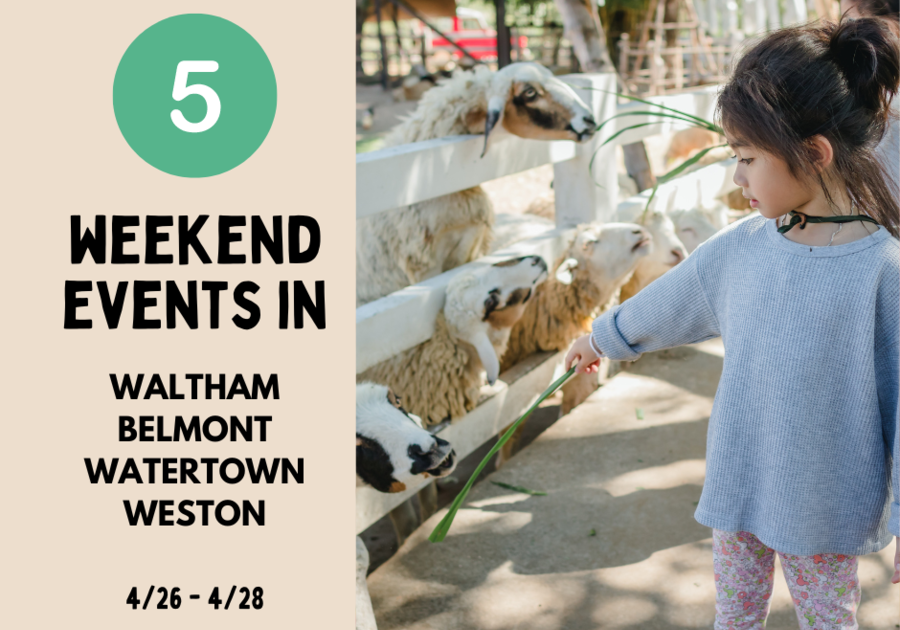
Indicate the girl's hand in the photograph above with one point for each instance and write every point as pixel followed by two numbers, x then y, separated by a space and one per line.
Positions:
pixel 896 578
pixel 582 352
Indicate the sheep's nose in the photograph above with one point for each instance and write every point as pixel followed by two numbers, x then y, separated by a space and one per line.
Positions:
pixel 679 256
pixel 591 123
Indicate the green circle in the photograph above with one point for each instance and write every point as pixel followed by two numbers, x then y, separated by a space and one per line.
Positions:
pixel 143 98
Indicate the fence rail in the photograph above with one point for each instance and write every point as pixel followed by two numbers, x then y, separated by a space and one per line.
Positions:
pixel 403 175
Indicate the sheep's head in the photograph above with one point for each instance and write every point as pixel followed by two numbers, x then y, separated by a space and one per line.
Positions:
pixel 482 305
pixel 526 100
pixel 668 250
pixel 692 227
pixel 392 448
pixel 604 254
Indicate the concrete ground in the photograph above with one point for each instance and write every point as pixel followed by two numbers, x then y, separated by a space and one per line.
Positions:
pixel 613 544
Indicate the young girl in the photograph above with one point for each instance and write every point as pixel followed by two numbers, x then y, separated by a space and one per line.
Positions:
pixel 802 449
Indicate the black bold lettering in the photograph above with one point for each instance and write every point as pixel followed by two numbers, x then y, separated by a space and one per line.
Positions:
pixel 261 389
pixel 302 302
pixel 214 289
pixel 142 303
pixel 140 513
pixel 127 432
pixel 259 238
pixel 246 323
pixel 175 302
pixel 94 243
pixel 94 474
pixel 112 308
pixel 296 222
pixel 187 237
pixel 120 237
pixel 73 302
pixel 226 238
pixel 151 256
pixel 133 389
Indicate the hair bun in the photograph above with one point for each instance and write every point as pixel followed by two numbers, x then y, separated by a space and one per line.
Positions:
pixel 869 57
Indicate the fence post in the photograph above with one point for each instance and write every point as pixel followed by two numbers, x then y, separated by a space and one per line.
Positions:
pixel 582 196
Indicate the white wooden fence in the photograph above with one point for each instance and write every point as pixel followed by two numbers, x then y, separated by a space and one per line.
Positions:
pixel 721 17
pixel 407 174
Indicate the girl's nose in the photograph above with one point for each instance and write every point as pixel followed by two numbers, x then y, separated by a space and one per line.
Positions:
pixel 739 179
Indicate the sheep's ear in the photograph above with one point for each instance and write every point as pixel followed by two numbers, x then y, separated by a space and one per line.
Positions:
pixel 564 271
pixel 496 105
pixel 487 354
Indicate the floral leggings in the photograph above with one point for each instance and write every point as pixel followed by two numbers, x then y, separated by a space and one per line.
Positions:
pixel 824 587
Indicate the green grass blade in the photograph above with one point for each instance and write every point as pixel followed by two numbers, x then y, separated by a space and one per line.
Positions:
pixel 712 126
pixel 680 116
pixel 523 490
pixel 621 131
pixel 442 528
pixel 675 172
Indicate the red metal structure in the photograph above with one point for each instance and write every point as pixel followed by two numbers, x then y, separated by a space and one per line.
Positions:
pixel 470 30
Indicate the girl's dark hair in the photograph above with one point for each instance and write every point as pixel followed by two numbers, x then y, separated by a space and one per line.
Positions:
pixel 834 80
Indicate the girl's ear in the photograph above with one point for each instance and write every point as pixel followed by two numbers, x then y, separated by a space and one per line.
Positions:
pixel 823 152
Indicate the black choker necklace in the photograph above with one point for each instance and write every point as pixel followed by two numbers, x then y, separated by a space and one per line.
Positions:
pixel 798 218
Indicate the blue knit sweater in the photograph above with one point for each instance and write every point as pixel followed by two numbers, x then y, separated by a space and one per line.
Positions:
pixel 802 447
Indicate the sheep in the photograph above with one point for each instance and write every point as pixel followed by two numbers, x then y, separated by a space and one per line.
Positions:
pixel 667 250
pixel 440 379
pixel 597 261
pixel 417 82
pixel 392 449
pixel 392 446
pixel 410 244
pixel 688 142
pixel 692 227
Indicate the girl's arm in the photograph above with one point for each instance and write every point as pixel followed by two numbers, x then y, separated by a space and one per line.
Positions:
pixel 887 376
pixel 672 311
pixel 887 379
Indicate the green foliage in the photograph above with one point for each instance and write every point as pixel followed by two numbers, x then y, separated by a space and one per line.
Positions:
pixel 668 113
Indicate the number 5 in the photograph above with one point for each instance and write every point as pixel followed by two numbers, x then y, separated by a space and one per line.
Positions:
pixel 182 90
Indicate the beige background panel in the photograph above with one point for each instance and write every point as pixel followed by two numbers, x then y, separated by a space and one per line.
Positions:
pixel 70 557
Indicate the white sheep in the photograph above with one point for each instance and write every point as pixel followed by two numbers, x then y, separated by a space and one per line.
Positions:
pixel 441 379
pixel 392 449
pixel 406 245
pixel 667 251
pixel 692 227
pixel 595 264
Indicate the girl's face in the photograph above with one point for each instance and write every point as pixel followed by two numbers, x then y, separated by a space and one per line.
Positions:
pixel 766 181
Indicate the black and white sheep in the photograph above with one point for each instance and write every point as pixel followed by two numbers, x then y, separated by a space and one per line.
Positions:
pixel 392 450
pixel 441 378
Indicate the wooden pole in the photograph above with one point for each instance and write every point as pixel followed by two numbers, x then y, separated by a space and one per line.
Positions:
pixel 399 43
pixel 503 48
pixel 384 59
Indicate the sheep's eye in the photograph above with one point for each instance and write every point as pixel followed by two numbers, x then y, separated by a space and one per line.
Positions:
pixel 529 94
